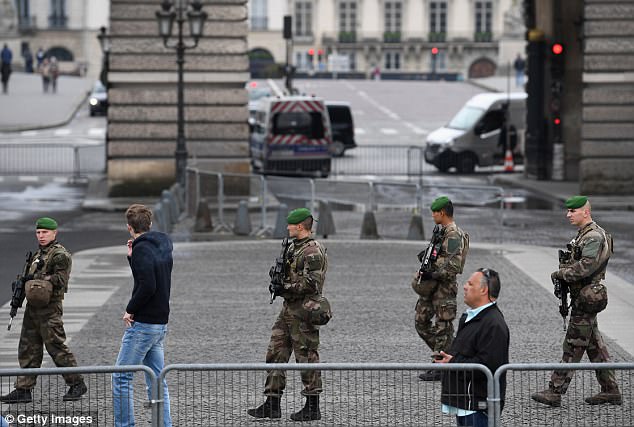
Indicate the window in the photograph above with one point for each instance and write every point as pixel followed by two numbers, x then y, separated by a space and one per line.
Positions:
pixel 259 18
pixel 392 61
pixel 393 16
pixel 347 16
pixel 303 18
pixel 57 17
pixel 309 124
pixel 24 13
pixel 483 19
pixel 438 17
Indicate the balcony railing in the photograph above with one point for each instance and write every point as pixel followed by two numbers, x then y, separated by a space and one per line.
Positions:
pixel 57 21
pixel 392 37
pixel 26 23
pixel 347 37
pixel 437 37
pixel 483 36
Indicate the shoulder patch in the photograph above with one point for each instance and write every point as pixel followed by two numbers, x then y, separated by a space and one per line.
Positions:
pixel 314 261
pixel 453 244
pixel 591 248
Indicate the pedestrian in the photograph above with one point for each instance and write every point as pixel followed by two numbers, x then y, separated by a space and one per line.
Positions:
pixel 6 56
pixel 582 269
pixel 28 60
pixel 304 278
pixel 45 70
pixel 147 313
pixel 519 65
pixel 42 326
pixel 54 72
pixel 437 288
pixel 39 56
pixel 483 337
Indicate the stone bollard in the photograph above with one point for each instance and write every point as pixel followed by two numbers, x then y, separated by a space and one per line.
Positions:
pixel 242 226
pixel 167 212
pixel 179 196
pixel 172 205
pixel 203 218
pixel 416 231
pixel 368 227
pixel 325 224
pixel 280 230
pixel 158 218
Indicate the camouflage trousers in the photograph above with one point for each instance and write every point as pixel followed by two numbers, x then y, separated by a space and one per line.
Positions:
pixel 43 327
pixel 583 336
pixel 289 334
pixel 437 300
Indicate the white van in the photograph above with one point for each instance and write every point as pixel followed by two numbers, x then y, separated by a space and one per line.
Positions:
pixel 476 135
pixel 291 136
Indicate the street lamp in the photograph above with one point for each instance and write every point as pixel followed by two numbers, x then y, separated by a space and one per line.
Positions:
pixel 179 11
pixel 104 43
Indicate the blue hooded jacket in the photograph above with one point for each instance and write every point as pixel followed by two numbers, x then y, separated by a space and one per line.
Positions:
pixel 151 263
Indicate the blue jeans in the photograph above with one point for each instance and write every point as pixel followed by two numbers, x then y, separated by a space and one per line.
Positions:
pixel 3 422
pixel 142 343
pixel 478 419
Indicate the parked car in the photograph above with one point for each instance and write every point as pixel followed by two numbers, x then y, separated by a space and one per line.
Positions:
pixel 98 99
pixel 476 135
pixel 342 127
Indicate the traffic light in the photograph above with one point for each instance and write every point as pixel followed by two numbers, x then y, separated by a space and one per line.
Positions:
pixel 311 53
pixel 434 51
pixel 288 27
pixel 557 60
pixel 320 54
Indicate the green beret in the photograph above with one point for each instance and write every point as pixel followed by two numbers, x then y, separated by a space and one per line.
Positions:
pixel 46 223
pixel 298 215
pixel 439 203
pixel 575 202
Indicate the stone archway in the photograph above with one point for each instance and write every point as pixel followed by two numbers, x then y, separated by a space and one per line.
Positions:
pixel 482 67
pixel 60 53
pixel 262 64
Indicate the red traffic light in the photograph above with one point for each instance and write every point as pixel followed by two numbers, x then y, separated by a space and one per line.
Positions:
pixel 557 48
pixel 320 52
pixel 557 121
pixel 434 51
pixel 311 51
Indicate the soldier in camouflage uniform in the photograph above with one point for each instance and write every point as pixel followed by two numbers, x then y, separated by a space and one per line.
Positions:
pixel 590 252
pixel 437 289
pixel 43 325
pixel 305 274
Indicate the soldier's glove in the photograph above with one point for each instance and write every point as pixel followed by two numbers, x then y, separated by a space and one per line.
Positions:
pixel 428 275
pixel 555 276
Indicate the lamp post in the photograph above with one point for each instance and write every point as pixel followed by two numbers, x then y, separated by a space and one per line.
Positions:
pixel 180 11
pixel 104 43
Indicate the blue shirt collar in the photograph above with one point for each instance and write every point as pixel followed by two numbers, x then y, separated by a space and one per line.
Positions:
pixel 471 313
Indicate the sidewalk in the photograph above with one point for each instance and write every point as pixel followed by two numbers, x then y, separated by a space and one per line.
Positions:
pixel 27 107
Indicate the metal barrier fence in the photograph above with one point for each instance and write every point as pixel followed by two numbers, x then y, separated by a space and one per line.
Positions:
pixel 403 160
pixel 52 159
pixel 353 394
pixel 95 408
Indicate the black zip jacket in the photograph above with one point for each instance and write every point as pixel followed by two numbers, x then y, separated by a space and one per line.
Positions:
pixel 151 264
pixel 485 340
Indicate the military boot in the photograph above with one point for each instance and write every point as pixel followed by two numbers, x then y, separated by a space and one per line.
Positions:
pixel 309 412
pixel 548 397
pixel 269 409
pixel 430 375
pixel 19 395
pixel 605 397
pixel 75 392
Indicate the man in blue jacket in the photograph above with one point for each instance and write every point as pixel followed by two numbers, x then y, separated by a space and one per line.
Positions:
pixel 146 316
pixel 483 337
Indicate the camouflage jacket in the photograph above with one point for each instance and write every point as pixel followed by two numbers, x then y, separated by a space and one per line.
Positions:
pixel 307 263
pixel 54 261
pixel 453 254
pixel 591 249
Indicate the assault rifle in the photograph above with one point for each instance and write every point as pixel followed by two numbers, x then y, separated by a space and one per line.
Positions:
pixel 19 292
pixel 429 256
pixel 561 288
pixel 278 271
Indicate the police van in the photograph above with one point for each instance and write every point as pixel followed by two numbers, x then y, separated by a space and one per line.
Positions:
pixel 477 135
pixel 291 136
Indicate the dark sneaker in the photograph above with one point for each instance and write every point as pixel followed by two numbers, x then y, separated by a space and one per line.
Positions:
pixel 75 392
pixel 17 396
pixel 548 397
pixel 269 409
pixel 604 397
pixel 431 375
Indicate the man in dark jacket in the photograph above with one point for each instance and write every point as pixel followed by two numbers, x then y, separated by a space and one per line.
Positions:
pixel 146 316
pixel 483 337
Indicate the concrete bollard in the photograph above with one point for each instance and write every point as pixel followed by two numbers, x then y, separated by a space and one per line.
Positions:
pixel 167 212
pixel 179 196
pixel 172 205
pixel 158 218
pixel 203 218
pixel 416 231
pixel 242 226
pixel 368 227
pixel 280 230
pixel 326 223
